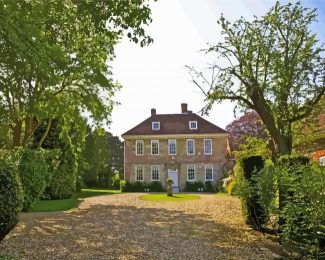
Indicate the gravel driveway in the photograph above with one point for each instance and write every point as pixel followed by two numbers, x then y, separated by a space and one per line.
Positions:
pixel 125 227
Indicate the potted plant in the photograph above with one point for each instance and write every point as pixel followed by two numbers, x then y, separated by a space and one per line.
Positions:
pixel 169 183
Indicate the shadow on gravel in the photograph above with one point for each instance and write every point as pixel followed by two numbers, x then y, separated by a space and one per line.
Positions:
pixel 112 232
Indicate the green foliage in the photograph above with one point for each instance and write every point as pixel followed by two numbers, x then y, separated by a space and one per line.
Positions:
pixel 273 64
pixel 246 170
pixel 11 194
pixel 116 180
pixel 209 187
pixel 231 187
pixel 123 185
pixel 137 186
pixel 79 184
pixel 51 70
pixel 195 186
pixel 34 174
pixel 291 195
pixel 169 181
pixel 63 183
pixel 102 156
pixel 155 186
pixel 254 146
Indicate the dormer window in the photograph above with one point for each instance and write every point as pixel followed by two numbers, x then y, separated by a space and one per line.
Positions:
pixel 155 125
pixel 193 125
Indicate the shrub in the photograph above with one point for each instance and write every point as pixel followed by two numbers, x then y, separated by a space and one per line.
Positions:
pixel 34 174
pixel 122 185
pixel 155 186
pixel 231 187
pixel 302 216
pixel 219 186
pixel 208 186
pixel 193 186
pixel 245 189
pixel 137 186
pixel 11 195
pixel 116 180
pixel 79 183
pixel 63 183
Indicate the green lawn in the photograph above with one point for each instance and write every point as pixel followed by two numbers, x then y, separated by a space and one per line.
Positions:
pixel 60 205
pixel 163 197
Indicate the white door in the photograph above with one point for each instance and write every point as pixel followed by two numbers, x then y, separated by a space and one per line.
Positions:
pixel 174 175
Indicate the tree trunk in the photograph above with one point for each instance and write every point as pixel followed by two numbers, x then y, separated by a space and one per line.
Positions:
pixel 47 130
pixel 283 144
pixel 17 133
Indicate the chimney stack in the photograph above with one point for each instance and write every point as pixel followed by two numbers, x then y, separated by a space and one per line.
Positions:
pixel 153 112
pixel 184 108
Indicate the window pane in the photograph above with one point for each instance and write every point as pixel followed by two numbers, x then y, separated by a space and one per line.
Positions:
pixel 190 173
pixel 155 172
pixel 190 147
pixel 139 173
pixel 193 124
pixel 155 125
pixel 155 147
pixel 209 172
pixel 207 146
pixel 139 147
pixel 171 146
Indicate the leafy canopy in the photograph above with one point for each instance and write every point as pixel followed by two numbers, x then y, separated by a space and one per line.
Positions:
pixel 55 59
pixel 273 64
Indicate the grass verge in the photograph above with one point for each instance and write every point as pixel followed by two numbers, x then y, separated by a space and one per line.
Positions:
pixel 66 204
pixel 163 197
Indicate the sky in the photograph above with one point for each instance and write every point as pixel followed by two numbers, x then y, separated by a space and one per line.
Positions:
pixel 156 76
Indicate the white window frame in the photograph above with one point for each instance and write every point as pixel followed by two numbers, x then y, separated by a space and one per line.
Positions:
pixel 169 153
pixel 190 125
pixel 188 166
pixel 136 147
pixel 205 171
pixel 158 169
pixel 187 141
pixel 153 141
pixel 210 146
pixel 158 124
pixel 136 172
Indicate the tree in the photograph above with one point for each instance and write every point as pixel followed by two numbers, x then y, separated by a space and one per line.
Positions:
pixel 103 154
pixel 248 125
pixel 55 60
pixel 273 64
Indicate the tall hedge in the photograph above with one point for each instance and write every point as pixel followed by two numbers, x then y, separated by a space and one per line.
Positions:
pixel 246 169
pixel 11 196
pixel 35 175
pixel 63 183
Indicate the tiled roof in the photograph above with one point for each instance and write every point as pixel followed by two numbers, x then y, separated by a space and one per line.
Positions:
pixel 175 124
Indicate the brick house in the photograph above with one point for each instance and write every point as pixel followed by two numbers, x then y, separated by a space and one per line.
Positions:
pixel 182 146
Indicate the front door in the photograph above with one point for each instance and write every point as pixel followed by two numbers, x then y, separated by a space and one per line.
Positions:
pixel 174 175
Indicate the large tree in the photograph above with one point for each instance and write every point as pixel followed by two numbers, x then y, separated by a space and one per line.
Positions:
pixel 273 64
pixel 55 58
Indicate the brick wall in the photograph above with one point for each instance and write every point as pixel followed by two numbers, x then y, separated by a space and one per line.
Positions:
pixel 178 161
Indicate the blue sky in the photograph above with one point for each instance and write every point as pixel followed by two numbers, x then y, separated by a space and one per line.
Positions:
pixel 156 77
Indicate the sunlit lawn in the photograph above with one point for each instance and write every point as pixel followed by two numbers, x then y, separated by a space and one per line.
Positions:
pixel 163 197
pixel 61 205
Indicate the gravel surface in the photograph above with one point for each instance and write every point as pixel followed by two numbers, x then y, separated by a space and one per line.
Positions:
pixel 125 227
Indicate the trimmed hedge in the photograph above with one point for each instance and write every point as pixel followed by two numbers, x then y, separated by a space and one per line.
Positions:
pixel 246 169
pixel 193 186
pixel 11 195
pixel 139 186
pixel 34 174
